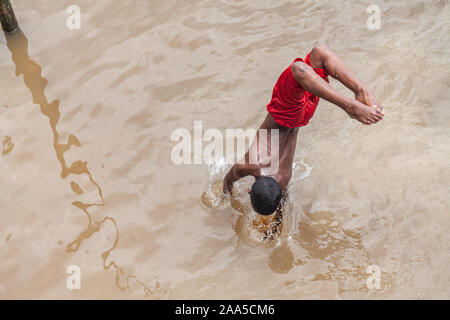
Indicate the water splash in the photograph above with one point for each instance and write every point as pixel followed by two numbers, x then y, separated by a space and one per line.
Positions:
pixel 253 228
pixel 296 169
pixel 217 170
pixel 213 198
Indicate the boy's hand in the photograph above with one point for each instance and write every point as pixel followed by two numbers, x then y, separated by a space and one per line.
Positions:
pixel 227 185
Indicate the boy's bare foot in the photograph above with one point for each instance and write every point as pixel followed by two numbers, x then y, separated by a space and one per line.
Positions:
pixel 366 96
pixel 365 114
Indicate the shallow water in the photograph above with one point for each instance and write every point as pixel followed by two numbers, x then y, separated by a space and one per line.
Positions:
pixel 87 179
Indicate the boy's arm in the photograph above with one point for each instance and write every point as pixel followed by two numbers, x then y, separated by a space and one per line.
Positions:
pixel 313 83
pixel 236 172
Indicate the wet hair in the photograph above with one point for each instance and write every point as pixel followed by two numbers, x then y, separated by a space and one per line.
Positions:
pixel 265 195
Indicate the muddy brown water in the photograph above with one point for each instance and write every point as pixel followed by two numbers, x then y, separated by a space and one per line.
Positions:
pixel 86 176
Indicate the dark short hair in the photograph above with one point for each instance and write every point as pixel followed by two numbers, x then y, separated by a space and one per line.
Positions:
pixel 265 195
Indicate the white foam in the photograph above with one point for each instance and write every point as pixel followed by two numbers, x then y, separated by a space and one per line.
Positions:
pixel 306 171
pixel 217 169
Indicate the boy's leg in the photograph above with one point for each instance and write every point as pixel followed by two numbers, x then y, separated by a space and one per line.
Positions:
pixel 323 57
pixel 313 83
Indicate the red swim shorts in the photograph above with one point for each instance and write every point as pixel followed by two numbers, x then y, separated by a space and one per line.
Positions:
pixel 291 105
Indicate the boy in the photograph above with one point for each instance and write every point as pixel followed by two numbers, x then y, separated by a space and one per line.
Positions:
pixel 294 99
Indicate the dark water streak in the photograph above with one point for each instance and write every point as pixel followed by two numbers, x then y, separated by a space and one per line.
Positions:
pixel 31 72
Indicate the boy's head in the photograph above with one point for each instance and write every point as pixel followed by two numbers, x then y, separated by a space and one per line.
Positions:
pixel 265 195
